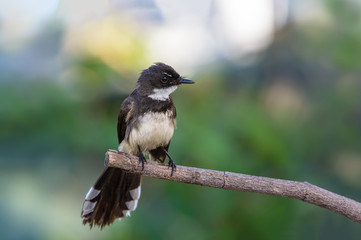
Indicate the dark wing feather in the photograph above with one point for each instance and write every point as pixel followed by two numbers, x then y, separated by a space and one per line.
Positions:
pixel 124 117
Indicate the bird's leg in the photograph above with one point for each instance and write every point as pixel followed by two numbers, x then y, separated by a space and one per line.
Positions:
pixel 141 157
pixel 171 162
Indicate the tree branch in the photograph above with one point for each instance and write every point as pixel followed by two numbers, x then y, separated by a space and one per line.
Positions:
pixel 241 182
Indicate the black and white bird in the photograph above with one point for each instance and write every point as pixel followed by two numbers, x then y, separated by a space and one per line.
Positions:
pixel 146 122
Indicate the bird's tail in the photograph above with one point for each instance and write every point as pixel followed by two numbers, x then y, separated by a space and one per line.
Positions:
pixel 113 195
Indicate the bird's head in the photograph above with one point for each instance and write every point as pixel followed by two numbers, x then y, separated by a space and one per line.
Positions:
pixel 159 81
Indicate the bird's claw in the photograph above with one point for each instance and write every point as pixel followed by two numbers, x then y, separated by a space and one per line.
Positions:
pixel 172 164
pixel 142 160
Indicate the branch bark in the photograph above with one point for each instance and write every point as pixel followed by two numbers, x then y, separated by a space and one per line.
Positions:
pixel 241 182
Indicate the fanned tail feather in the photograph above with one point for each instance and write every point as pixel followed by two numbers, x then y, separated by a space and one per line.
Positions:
pixel 113 196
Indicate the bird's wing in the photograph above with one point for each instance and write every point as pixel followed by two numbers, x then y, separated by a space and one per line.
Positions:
pixel 124 117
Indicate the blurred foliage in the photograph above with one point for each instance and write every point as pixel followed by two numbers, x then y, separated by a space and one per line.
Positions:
pixel 295 113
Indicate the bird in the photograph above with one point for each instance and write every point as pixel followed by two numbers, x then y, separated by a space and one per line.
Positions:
pixel 146 122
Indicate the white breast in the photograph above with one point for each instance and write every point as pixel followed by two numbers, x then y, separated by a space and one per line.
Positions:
pixel 153 130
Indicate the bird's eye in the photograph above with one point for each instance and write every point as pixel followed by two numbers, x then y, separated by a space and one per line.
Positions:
pixel 164 79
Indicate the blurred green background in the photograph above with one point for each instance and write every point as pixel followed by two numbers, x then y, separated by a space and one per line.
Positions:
pixel 277 94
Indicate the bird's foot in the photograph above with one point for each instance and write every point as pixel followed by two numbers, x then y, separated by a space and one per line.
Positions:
pixel 142 160
pixel 172 164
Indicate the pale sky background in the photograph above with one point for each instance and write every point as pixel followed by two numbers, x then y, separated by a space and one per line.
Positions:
pixel 180 32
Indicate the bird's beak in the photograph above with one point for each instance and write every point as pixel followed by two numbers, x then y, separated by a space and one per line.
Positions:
pixel 185 81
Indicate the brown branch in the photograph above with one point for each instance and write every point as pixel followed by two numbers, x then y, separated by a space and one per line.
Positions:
pixel 241 182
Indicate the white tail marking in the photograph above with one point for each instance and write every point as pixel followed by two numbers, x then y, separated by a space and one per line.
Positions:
pixel 132 205
pixel 88 207
pixel 135 193
pixel 93 193
pixel 126 213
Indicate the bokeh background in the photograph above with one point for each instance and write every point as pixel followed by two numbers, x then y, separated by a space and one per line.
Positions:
pixel 277 94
